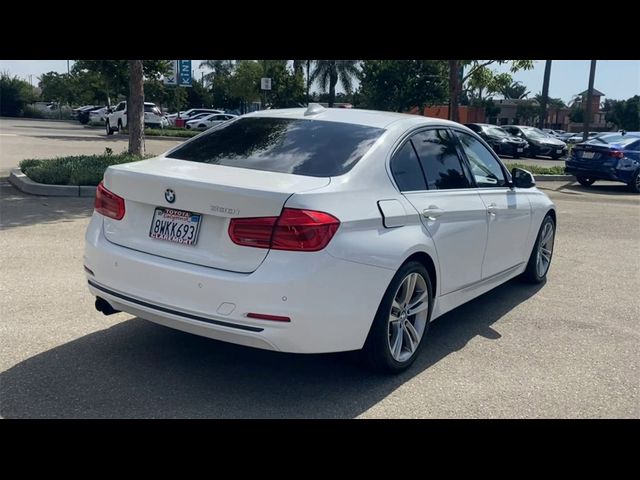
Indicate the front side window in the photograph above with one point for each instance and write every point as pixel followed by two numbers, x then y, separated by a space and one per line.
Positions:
pixel 485 168
pixel 121 106
pixel 314 148
pixel 439 159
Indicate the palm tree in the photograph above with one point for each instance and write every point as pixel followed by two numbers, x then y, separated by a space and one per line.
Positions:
pixel 330 72
pixel 515 91
pixel 217 67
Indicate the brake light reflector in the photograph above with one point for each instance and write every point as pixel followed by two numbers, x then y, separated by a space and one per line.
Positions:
pixel 616 154
pixel 294 229
pixel 108 203
pixel 264 316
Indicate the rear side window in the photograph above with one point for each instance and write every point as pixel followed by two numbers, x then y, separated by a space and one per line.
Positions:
pixel 406 170
pixel 303 147
pixel 439 159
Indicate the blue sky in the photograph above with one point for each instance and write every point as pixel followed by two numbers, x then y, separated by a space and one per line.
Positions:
pixel 618 79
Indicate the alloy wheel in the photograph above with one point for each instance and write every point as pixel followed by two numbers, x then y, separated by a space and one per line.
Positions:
pixel 545 249
pixel 408 317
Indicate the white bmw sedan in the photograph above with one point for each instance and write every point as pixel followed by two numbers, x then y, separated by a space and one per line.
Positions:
pixel 316 230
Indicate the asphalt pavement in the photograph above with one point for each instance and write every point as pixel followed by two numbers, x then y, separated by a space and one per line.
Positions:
pixel 568 348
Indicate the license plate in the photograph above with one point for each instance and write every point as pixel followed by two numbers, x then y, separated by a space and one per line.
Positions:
pixel 559 151
pixel 175 226
pixel 520 150
pixel 588 154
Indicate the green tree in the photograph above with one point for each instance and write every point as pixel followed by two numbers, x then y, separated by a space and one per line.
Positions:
pixel 476 69
pixel 217 67
pixel 330 72
pixel 623 114
pixel 527 111
pixel 245 83
pixel 287 87
pixel 15 95
pixel 114 74
pixel 576 114
pixel 198 96
pixel 54 87
pixel 399 85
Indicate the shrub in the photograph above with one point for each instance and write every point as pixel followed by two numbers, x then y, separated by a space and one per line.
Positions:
pixel 171 132
pixel 15 94
pixel 74 170
pixel 537 170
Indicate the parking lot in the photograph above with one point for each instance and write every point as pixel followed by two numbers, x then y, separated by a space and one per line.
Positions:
pixel 27 138
pixel 568 348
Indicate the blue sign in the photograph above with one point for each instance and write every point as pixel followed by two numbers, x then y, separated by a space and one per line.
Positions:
pixel 184 73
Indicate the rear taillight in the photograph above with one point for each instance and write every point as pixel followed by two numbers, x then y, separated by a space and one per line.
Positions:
pixel 108 203
pixel 252 232
pixel 616 154
pixel 294 229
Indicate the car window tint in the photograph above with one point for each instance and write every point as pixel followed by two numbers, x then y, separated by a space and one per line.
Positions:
pixel 439 159
pixel 316 148
pixel 406 170
pixel 485 168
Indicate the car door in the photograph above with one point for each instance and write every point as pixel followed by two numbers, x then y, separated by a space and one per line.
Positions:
pixel 508 209
pixel 431 175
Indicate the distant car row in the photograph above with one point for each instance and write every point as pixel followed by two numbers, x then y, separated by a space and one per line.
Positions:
pixel 520 140
pixel 115 118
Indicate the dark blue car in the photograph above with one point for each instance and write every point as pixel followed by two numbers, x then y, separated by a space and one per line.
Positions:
pixel 615 156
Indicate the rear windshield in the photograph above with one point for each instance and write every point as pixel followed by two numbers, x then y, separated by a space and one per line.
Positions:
pixel 314 148
pixel 614 138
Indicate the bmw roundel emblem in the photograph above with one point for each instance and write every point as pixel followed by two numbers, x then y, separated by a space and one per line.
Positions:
pixel 170 195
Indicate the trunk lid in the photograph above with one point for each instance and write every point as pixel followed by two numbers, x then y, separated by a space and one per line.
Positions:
pixel 215 193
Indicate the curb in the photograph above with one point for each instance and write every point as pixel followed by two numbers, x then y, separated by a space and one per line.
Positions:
pixel 164 137
pixel 26 185
pixel 554 178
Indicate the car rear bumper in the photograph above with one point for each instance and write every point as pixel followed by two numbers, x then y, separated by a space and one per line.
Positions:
pixel 549 151
pixel 331 302
pixel 598 172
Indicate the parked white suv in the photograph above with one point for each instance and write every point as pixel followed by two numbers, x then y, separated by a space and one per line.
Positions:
pixel 117 119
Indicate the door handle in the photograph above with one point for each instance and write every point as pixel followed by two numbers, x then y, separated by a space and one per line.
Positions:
pixel 492 208
pixel 432 212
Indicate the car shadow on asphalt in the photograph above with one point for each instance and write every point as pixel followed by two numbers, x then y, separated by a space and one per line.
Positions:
pixel 599 189
pixel 19 209
pixel 136 369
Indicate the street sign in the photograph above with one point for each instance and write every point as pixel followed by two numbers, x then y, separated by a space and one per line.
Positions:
pixel 172 77
pixel 184 73
pixel 265 83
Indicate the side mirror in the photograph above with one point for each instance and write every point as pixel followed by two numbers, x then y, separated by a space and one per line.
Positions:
pixel 522 178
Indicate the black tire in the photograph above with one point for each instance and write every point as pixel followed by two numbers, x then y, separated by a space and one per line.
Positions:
pixel 109 131
pixel 585 181
pixel 202 127
pixel 376 351
pixel 555 157
pixel 634 184
pixel 531 274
